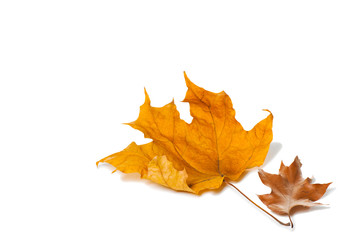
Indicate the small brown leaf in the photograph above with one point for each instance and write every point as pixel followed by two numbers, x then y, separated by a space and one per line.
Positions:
pixel 290 190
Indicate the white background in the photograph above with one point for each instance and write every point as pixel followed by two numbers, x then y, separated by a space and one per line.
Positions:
pixel 72 71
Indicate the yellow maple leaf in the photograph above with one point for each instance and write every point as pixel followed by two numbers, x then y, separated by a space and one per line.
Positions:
pixel 196 156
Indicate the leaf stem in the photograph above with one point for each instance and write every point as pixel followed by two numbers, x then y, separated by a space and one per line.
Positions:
pixel 289 216
pixel 282 223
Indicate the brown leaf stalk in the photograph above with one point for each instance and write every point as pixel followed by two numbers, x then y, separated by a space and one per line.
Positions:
pixel 280 222
pixel 289 216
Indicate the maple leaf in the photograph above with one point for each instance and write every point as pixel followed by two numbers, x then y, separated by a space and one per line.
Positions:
pixel 290 190
pixel 196 156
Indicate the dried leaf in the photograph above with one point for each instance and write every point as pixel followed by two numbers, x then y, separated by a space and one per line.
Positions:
pixel 196 156
pixel 162 171
pixel 290 189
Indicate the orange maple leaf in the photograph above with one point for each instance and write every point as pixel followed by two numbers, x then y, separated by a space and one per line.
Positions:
pixel 290 190
pixel 196 156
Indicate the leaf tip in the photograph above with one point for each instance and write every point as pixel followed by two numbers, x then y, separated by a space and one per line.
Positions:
pixel 147 99
pixel 270 113
pixel 186 79
pixel 130 123
pixel 260 172
pixel 297 161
